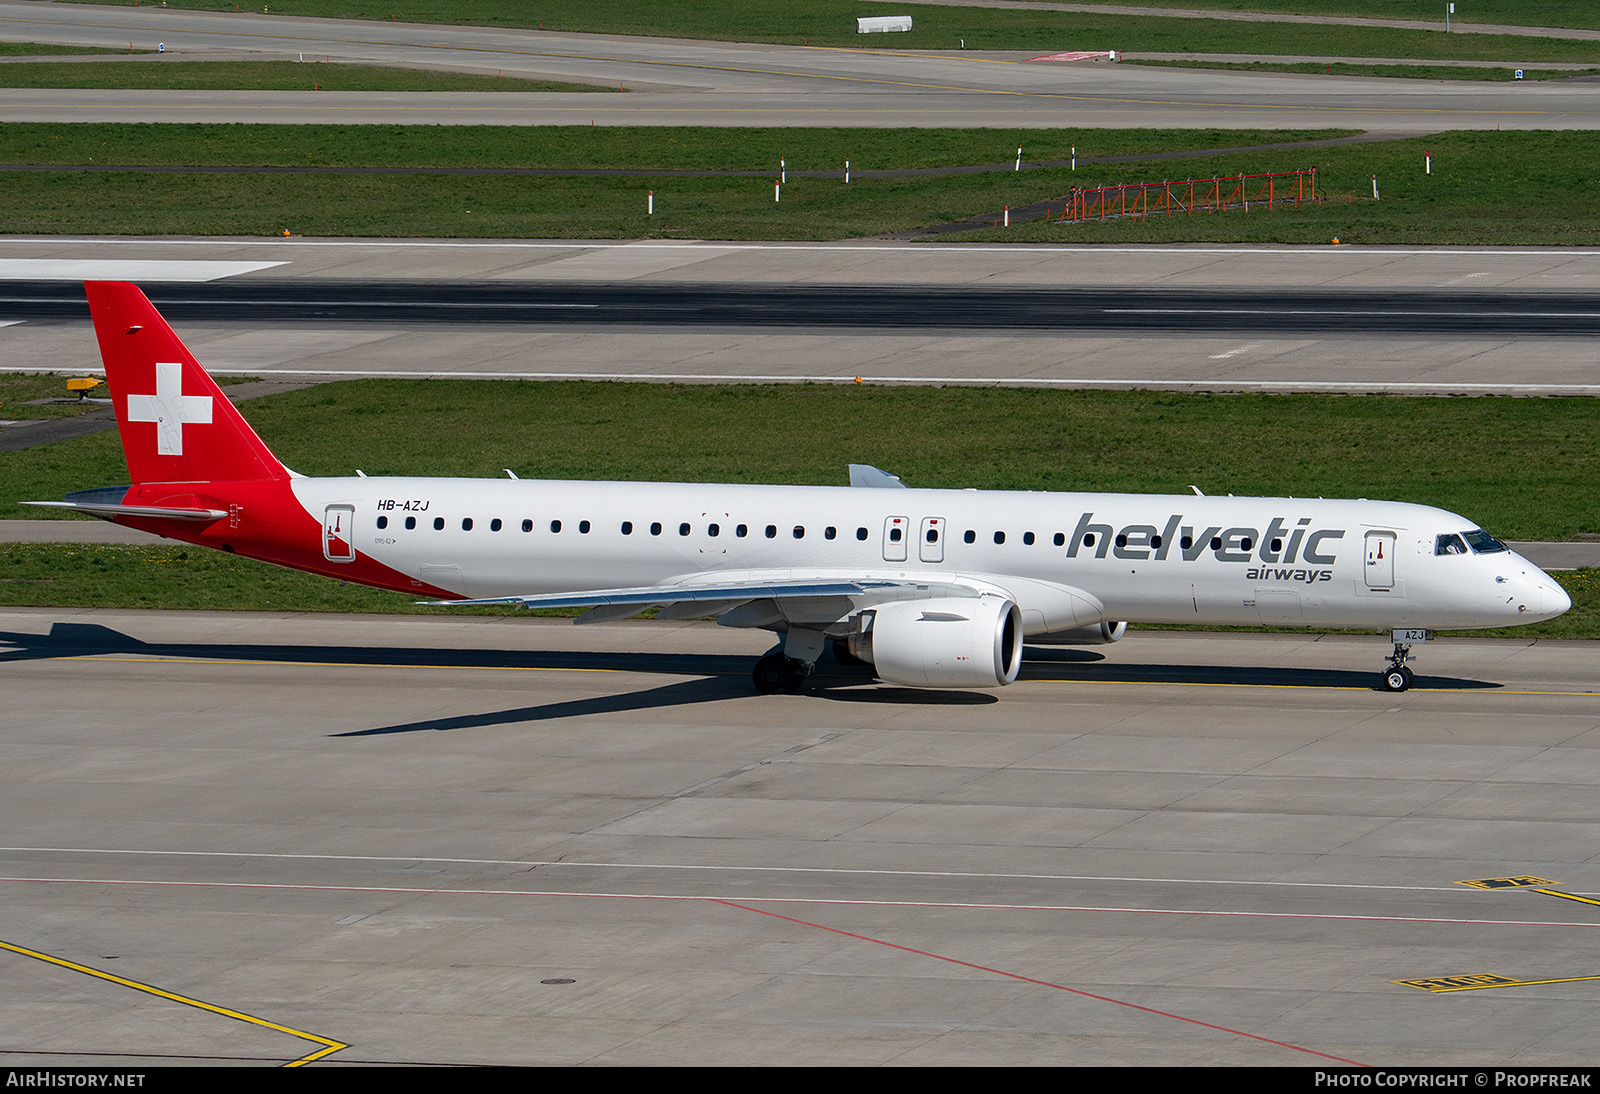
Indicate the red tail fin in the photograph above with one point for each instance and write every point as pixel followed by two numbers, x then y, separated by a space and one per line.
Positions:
pixel 176 424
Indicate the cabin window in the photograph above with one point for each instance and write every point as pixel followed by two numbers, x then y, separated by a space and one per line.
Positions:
pixel 655 528
pixel 466 524
pixel 1155 541
pixel 495 525
pixel 999 537
pixel 1277 545
pixel 438 524
pixel 1122 541
pixel 555 526
pixel 1027 538
pixel 1060 539
pixel 527 525
pixel 583 527
pixel 830 532
pixel 772 531
pixel 742 530
pixel 1186 542
pixel 896 535
pixel 411 522
pixel 713 530
pixel 861 534
pixel 1088 539
pixel 970 536
pixel 1246 543
pixel 932 536
pixel 683 529
pixel 383 522
pixel 627 527
pixel 799 531
pixel 1216 543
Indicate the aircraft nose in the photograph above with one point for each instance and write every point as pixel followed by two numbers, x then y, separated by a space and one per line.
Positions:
pixel 1553 599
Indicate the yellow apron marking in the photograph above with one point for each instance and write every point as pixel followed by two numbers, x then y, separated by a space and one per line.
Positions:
pixel 1440 984
pixel 1567 896
pixel 329 1045
pixel 1505 882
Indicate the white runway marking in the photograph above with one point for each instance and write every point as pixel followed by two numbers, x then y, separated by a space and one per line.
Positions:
pixel 746 898
pixel 576 863
pixel 102 269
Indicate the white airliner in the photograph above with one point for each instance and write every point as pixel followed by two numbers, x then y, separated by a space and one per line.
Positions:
pixel 933 588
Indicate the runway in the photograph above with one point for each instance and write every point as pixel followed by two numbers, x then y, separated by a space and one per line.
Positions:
pixel 679 82
pixel 716 306
pixel 1340 319
pixel 523 842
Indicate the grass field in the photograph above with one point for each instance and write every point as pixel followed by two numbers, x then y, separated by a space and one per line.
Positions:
pixel 1525 468
pixel 172 74
pixel 1526 188
pixel 833 23
pixel 582 146
pixel 1517 13
pixel 45 49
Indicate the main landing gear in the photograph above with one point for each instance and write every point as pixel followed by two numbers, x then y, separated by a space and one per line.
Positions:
pixel 775 672
pixel 1397 677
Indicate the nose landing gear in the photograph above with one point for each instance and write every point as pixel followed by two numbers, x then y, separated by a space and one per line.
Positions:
pixel 1398 677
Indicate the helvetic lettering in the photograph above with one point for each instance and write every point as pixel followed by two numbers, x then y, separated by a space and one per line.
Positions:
pixel 1143 541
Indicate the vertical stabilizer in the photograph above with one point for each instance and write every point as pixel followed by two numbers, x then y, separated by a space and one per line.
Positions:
pixel 176 424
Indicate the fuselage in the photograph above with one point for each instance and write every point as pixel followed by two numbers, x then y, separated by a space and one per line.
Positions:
pixel 1141 558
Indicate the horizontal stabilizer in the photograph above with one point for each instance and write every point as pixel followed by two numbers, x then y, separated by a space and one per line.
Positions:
pixel 110 512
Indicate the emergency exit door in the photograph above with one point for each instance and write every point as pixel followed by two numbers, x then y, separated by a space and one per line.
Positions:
pixel 338 535
pixel 1380 560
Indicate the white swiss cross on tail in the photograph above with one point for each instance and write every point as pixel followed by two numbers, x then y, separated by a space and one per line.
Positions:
pixel 169 408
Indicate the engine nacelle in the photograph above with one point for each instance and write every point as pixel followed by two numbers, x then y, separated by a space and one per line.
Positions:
pixel 954 642
pixel 1096 634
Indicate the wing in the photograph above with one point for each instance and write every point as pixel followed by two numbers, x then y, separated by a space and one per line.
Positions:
pixel 756 601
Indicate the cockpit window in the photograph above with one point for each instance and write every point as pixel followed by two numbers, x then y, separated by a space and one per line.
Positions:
pixel 1449 544
pixel 1483 543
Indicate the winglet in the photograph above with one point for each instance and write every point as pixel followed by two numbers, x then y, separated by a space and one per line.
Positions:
pixel 865 475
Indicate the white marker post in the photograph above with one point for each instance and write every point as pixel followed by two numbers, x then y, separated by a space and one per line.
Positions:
pixel 1018 167
pixel 1008 216
pixel 847 172
pixel 650 203
pixel 1074 157
pixel 1374 187
pixel 783 170
pixel 775 188
pixel 1449 10
pixel 1427 163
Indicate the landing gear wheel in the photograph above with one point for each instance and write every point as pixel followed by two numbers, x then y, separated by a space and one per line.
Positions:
pixel 795 674
pixel 769 674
